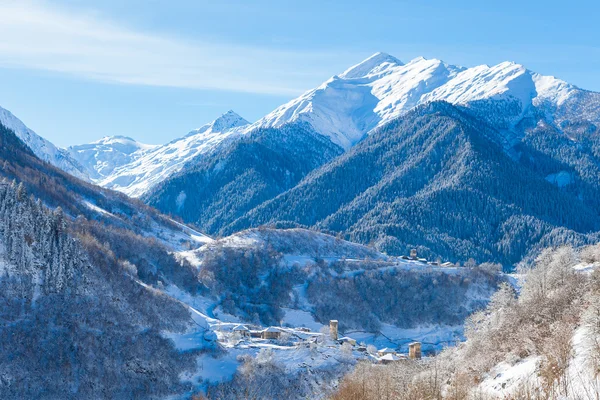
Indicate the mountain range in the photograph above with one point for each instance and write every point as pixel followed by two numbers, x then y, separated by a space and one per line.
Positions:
pixel 348 106
pixel 231 174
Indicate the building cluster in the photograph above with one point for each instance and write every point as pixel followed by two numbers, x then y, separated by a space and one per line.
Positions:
pixel 384 356
pixel 413 256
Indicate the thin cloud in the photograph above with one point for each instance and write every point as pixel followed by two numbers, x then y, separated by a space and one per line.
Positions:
pixel 37 36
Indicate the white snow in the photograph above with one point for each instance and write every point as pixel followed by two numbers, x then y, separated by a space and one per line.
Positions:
pixel 300 318
pixel 102 157
pixel 381 88
pixel 95 208
pixel 505 378
pixel 555 90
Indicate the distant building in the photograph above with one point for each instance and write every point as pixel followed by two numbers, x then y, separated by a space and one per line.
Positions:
pixel 242 330
pixel 346 339
pixel 414 351
pixel 389 358
pixel 386 351
pixel 333 329
pixel 447 264
pixel 413 254
pixel 271 333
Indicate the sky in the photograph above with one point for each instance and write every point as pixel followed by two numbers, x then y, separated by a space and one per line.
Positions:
pixel 78 70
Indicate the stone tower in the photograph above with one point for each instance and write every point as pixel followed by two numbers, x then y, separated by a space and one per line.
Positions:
pixel 414 351
pixel 333 329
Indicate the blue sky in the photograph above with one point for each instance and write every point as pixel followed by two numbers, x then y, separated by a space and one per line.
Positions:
pixel 77 70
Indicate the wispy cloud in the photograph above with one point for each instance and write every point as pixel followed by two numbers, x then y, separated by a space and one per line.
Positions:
pixel 38 36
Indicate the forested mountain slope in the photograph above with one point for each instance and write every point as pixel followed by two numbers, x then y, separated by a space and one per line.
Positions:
pixel 75 322
pixel 434 192
pixel 130 229
pixel 442 180
pixel 230 180
pixel 350 105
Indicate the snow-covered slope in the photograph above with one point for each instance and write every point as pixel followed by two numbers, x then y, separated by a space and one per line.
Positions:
pixel 381 88
pixel 42 147
pixel 300 243
pixel 151 165
pixel 102 157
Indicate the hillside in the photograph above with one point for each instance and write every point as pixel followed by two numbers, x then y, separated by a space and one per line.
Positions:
pixel 265 276
pixel 74 319
pixel 295 281
pixel 540 342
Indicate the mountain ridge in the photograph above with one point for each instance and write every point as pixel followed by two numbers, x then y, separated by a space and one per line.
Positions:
pixel 41 147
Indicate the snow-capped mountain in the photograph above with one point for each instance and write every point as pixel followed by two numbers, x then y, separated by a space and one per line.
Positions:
pixel 41 147
pixel 102 157
pixel 133 168
pixel 381 88
pixel 352 104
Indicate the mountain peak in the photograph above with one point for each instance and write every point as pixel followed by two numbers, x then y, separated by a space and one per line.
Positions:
pixel 111 139
pixel 226 121
pixel 373 64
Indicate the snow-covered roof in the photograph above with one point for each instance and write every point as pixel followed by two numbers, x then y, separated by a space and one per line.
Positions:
pixel 389 357
pixel 272 329
pixel 241 328
pixel 386 350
